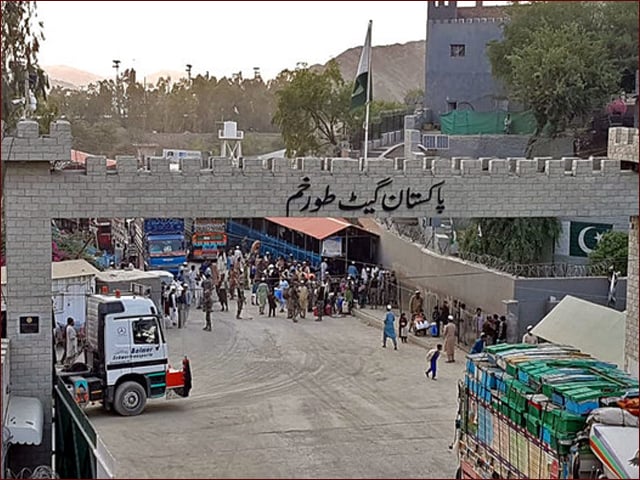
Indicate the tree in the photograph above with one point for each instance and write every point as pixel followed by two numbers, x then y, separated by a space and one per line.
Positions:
pixel 613 248
pixel 20 45
pixel 312 109
pixel 563 59
pixel 517 240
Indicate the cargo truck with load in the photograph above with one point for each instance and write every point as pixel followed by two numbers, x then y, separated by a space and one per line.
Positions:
pixel 209 238
pixel 127 359
pixel 162 243
pixel 545 411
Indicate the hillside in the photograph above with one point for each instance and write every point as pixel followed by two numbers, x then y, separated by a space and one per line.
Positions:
pixel 69 77
pixel 396 68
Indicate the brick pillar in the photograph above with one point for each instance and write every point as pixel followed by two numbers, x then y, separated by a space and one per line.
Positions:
pixel 631 331
pixel 28 247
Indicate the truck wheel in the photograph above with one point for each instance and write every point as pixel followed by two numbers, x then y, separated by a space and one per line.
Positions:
pixel 130 399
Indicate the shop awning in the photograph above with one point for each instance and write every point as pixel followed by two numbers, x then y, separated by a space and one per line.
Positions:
pixel 25 416
pixel 318 228
pixel 592 328
pixel 615 447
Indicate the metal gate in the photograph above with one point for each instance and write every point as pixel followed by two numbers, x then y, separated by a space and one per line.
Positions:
pixel 79 452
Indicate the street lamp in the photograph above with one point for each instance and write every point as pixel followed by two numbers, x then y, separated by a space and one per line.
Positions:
pixel 116 65
pixel 189 66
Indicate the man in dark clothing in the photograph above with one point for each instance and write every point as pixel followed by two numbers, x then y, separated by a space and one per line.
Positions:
pixel 320 296
pixel 207 301
pixel 444 315
pixel 502 330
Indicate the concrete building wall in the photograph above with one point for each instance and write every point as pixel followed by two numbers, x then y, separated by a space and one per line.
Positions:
pixel 466 80
pixel 448 277
pixel 533 294
pixel 505 146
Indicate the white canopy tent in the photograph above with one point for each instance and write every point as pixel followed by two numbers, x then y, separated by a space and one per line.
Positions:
pixel 592 328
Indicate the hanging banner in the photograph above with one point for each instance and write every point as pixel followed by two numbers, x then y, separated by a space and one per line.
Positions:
pixel 332 247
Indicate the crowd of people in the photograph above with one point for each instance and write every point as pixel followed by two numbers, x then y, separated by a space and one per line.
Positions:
pixel 277 285
pixel 297 289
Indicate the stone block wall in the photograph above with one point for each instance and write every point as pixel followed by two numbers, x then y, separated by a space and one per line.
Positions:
pixel 623 144
pixel 425 187
pixel 631 332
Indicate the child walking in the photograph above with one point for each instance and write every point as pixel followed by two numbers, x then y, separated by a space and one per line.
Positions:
pixel 404 330
pixel 432 361
pixel 271 299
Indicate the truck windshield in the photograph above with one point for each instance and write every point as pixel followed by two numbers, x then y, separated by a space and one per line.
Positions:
pixel 163 248
pixel 147 330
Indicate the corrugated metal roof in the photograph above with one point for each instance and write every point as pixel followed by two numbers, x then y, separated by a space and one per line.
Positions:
pixel 64 269
pixel 594 329
pixel 318 228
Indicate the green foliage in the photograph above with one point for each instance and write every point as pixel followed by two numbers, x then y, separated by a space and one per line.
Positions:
pixel 312 109
pixel 21 37
pixel 414 97
pixel 517 240
pixel 614 248
pixel 564 59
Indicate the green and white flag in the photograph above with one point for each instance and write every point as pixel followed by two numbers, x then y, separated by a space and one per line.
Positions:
pixel 362 88
pixel 584 237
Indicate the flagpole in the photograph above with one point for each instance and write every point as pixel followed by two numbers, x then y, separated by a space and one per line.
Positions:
pixel 368 101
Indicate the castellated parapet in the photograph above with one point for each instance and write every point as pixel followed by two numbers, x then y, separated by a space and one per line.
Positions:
pixel 457 187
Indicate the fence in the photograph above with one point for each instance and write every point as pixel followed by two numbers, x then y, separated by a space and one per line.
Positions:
pixel 238 232
pixel 416 233
pixel 462 314
pixel 79 452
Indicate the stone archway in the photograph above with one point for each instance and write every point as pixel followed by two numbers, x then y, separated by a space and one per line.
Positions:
pixel 35 193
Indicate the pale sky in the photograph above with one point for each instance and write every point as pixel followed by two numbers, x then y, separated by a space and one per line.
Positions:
pixel 221 37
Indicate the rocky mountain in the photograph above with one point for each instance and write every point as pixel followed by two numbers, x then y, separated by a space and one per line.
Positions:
pixel 397 69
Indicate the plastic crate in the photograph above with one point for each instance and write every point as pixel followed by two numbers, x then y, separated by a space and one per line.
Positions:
pixel 532 425
pixel 582 401
pixel 567 423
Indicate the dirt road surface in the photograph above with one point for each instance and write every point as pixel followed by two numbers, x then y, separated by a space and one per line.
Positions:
pixel 274 399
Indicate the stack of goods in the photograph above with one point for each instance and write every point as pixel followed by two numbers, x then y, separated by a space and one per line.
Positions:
pixel 524 406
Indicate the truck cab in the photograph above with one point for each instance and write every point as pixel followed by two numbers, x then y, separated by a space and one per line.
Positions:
pixel 127 356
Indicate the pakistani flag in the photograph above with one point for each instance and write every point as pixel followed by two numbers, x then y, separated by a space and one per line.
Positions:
pixel 584 237
pixel 362 88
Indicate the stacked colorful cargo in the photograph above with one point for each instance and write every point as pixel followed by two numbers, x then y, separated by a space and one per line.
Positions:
pixel 524 409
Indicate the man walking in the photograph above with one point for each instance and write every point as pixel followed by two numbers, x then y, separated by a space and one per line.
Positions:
pixel 207 300
pixel 529 338
pixel 449 334
pixel 389 329
pixel 71 343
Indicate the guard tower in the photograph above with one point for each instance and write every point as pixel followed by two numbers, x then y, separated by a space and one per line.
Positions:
pixel 231 141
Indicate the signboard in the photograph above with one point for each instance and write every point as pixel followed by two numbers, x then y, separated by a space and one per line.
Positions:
pixel 180 154
pixel 29 324
pixel 332 247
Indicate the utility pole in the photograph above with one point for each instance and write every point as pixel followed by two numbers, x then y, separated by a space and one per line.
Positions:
pixel 189 66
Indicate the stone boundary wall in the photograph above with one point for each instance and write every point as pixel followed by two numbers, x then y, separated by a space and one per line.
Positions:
pixel 623 144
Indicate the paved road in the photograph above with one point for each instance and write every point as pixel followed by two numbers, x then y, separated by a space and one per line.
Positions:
pixel 273 399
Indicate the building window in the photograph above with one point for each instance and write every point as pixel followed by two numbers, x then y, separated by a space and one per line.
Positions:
pixel 457 50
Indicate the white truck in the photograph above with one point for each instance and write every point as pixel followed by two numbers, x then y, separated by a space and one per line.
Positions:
pixel 127 358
